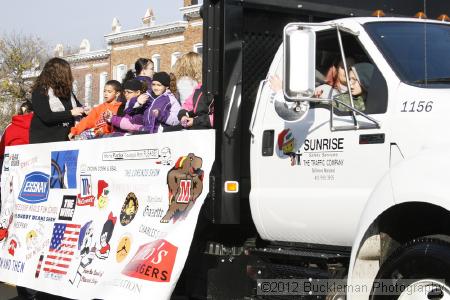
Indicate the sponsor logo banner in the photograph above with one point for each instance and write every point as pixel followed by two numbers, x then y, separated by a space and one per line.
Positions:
pixel 35 188
pixel 153 261
pixel 67 208
pixel 85 197
pixel 64 169
pixel 131 154
pixel 99 219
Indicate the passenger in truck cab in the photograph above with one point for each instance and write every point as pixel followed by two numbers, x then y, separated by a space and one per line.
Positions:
pixel 360 76
pixel 336 80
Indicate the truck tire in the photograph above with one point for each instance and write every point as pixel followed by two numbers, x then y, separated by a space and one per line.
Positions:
pixel 420 269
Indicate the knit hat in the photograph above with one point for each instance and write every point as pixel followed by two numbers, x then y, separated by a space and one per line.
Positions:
pixel 363 73
pixel 162 77
pixel 133 85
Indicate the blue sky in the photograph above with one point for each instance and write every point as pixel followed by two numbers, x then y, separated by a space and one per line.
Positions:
pixel 68 22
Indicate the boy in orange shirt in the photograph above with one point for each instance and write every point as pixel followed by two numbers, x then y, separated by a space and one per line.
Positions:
pixel 94 125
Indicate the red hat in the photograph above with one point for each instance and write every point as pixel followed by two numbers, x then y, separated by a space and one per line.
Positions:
pixel 101 186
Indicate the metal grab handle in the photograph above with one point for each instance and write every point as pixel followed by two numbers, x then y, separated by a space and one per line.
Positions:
pixel 229 108
pixel 256 107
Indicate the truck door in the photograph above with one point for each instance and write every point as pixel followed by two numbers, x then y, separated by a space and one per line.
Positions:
pixel 309 182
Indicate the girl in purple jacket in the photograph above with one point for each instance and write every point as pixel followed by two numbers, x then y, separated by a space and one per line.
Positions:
pixel 157 109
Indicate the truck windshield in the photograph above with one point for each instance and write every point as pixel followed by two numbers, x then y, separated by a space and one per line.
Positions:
pixel 418 52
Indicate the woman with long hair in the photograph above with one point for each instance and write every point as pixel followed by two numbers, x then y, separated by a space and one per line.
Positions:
pixel 55 106
pixel 188 71
pixel 143 71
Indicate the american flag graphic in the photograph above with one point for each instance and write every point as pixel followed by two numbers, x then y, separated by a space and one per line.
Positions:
pixel 62 247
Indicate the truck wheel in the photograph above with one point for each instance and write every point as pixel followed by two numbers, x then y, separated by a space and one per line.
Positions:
pixel 420 269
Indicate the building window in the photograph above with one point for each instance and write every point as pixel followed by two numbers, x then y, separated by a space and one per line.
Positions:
pixel 174 58
pixel 88 88
pixel 156 58
pixel 103 79
pixel 198 48
pixel 121 70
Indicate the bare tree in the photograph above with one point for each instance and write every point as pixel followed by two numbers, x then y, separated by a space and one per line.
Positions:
pixel 20 60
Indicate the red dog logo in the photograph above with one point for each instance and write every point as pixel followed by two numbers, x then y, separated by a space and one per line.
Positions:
pixel 185 182
pixel 12 247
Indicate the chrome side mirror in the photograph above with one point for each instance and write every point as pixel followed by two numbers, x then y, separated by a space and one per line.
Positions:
pixel 299 64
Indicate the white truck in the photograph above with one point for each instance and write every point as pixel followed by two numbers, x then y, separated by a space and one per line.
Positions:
pixel 373 180
pixel 360 195
pixel 309 198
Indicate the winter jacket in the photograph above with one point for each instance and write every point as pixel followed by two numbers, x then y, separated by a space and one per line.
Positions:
pixel 162 105
pixel 16 133
pixel 175 107
pixel 95 120
pixel 150 122
pixel 147 80
pixel 134 108
pixel 358 102
pixel 52 118
pixel 199 107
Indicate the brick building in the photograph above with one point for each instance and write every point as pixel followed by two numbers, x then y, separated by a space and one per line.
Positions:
pixel 162 43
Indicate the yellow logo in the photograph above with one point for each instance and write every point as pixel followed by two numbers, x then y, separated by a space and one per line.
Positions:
pixel 123 248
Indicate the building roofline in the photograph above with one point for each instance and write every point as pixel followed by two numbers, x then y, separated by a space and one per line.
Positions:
pixel 192 11
pixel 152 31
pixel 92 55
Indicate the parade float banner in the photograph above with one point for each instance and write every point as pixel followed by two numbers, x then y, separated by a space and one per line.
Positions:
pixel 111 218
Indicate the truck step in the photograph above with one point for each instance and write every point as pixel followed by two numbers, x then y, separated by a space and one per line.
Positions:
pixel 300 254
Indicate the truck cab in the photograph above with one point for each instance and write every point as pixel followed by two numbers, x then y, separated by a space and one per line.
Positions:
pixel 325 174
pixel 327 159
pixel 326 189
